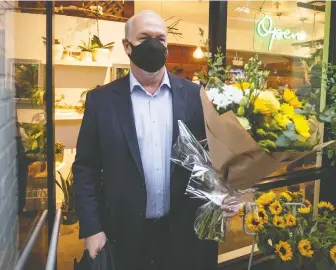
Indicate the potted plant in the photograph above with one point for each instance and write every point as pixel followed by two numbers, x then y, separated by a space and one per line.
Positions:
pixel 59 152
pixel 86 51
pixel 100 52
pixel 58 48
pixel 68 206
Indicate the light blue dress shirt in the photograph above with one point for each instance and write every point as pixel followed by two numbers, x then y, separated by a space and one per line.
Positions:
pixel 153 115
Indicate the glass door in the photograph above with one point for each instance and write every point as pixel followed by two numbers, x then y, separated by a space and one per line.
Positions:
pixel 24 144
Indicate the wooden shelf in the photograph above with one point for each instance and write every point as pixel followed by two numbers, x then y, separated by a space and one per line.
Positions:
pixel 67 115
pixel 78 63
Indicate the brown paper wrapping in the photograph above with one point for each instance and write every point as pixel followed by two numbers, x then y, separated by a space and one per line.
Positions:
pixel 235 155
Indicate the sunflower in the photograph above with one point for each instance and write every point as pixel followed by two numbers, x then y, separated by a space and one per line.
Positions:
pixel 305 248
pixel 307 203
pixel 275 208
pixel 284 250
pixel 279 222
pixel 290 220
pixel 253 222
pixel 286 196
pixel 297 194
pixel 290 97
pixel 241 211
pixel 304 210
pixel 333 253
pixel 262 215
pixel 265 198
pixel 326 206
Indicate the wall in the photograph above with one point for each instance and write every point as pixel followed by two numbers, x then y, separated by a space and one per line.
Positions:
pixel 8 169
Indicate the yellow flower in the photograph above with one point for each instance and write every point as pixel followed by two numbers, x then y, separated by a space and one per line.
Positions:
pixel 287 109
pixel 286 196
pixel 282 120
pixel 290 97
pixel 304 210
pixel 241 211
pixel 333 253
pixel 290 220
pixel 279 222
pixel 301 126
pixel 307 203
pixel 242 86
pixel 275 208
pixel 262 215
pixel 266 103
pixel 265 198
pixel 305 248
pixel 326 206
pixel 284 251
pixel 253 222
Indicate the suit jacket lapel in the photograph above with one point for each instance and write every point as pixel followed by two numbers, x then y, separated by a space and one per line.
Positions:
pixel 179 107
pixel 122 104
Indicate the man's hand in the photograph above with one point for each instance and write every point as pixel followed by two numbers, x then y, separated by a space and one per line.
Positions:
pixel 95 243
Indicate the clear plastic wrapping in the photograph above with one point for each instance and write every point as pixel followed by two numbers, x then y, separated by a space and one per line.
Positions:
pixel 221 202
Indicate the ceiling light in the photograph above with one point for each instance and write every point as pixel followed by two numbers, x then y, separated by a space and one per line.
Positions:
pixel 198 53
pixel 243 9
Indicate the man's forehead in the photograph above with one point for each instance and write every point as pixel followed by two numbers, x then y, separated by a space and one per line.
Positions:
pixel 149 23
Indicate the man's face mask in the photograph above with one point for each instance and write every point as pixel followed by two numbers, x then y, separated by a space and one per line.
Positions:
pixel 150 55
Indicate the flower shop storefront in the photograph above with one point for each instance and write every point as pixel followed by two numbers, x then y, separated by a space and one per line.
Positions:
pixel 284 47
pixel 270 57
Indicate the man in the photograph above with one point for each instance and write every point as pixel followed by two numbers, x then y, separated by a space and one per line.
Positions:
pixel 127 190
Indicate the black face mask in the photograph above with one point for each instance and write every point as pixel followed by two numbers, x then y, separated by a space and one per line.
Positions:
pixel 150 55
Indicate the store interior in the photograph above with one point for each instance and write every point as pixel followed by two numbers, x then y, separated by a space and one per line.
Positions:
pixel 293 62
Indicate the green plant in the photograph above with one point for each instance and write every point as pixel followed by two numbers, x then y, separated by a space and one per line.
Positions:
pixel 37 97
pixel 67 187
pixel 86 47
pixel 35 140
pixel 56 41
pixel 59 148
pixel 96 43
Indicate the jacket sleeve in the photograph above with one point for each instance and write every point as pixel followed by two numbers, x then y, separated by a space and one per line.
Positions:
pixel 87 173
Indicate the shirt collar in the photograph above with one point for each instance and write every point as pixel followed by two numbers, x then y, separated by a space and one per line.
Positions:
pixel 134 82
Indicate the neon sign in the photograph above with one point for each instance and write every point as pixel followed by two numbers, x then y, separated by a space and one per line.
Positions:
pixel 265 29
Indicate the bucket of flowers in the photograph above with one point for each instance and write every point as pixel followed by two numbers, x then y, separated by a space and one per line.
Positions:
pixel 284 228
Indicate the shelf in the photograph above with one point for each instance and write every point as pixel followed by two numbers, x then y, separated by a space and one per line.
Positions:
pixel 67 115
pixel 78 63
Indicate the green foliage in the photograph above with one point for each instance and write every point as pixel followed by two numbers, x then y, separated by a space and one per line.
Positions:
pixel 67 187
pixel 35 140
pixel 254 73
pixel 26 83
pixel 59 148
pixel 96 43
pixel 86 47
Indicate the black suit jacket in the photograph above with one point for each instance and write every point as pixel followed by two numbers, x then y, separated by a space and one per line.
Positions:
pixel 110 188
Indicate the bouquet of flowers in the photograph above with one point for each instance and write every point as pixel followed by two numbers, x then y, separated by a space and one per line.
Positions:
pixel 285 227
pixel 251 132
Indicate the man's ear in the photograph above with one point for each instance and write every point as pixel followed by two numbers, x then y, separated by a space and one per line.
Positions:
pixel 127 46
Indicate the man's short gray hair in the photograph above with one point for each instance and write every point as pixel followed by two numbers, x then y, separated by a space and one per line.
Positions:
pixel 144 13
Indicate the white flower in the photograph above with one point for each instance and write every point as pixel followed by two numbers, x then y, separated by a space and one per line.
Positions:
pixel 244 122
pixel 234 94
pixel 212 93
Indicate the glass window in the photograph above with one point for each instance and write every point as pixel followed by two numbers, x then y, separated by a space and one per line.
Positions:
pixel 289 42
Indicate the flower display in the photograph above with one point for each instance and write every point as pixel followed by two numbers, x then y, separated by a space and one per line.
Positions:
pixel 305 248
pixel 290 220
pixel 333 253
pixel 275 208
pixel 284 251
pixel 286 227
pixel 254 222
pixel 326 206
